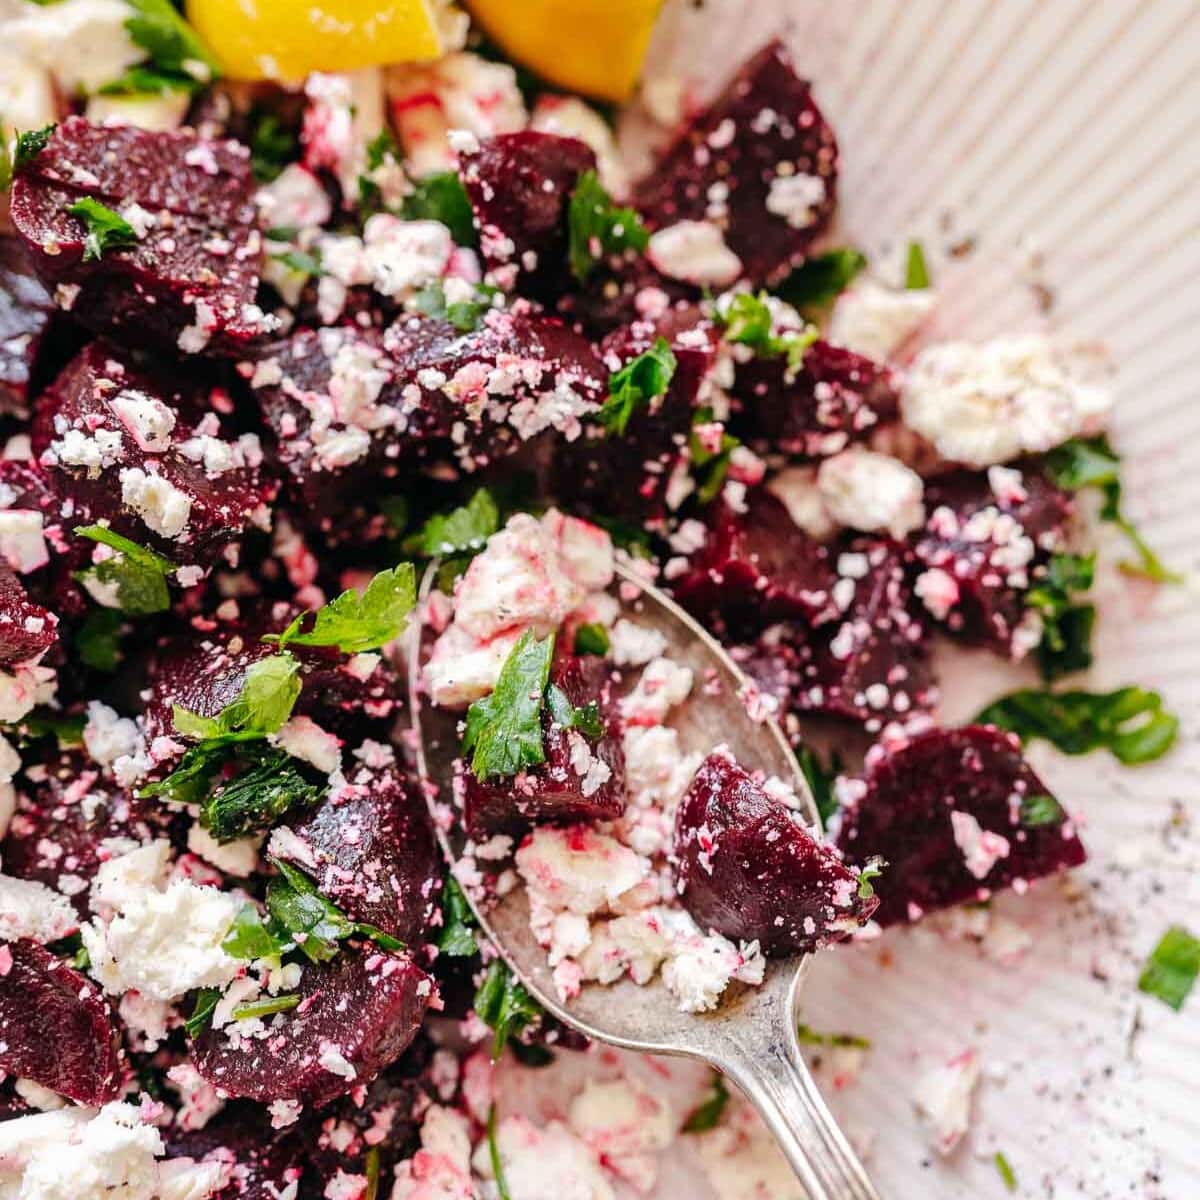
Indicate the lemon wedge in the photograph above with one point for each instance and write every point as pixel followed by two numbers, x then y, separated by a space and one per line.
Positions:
pixel 590 46
pixel 273 39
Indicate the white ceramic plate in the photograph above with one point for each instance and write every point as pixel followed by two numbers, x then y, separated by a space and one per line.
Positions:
pixel 1062 139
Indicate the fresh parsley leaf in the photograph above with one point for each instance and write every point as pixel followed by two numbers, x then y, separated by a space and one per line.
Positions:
pixel 1037 811
pixel 268 694
pixel 820 780
pixel 81 960
pixel 596 227
pixel 916 273
pixel 373 1170
pixel 106 229
pixel 531 1054
pixel 707 1114
pixel 169 41
pixel 710 466
pixel 30 144
pixel 98 639
pixel 43 722
pixel 381 149
pixel 1066 626
pixel 592 638
pixel 268 1006
pixel 312 922
pixel 504 730
pixel 1006 1172
pixel 503 1005
pixel 139 575
pixel 748 321
pixel 498 1178
pixel 143 80
pixel 819 281
pixel 6 163
pixel 250 937
pixel 872 869
pixel 457 936
pixel 1172 968
pixel 808 1036
pixel 465 315
pixel 442 197
pixel 202 1011
pixel 356 621
pixel 272 146
pixel 282 233
pixel 586 718
pixel 1130 722
pixel 1092 462
pixel 636 384
pixel 304 262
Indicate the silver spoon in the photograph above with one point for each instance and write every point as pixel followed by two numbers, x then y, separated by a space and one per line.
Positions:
pixel 751 1037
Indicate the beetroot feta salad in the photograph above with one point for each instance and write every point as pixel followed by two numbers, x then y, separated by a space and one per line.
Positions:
pixel 265 354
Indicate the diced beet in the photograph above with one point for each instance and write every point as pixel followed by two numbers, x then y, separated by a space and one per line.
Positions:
pixel 27 630
pixel 64 817
pixel 358 1013
pixel 747 867
pixel 740 157
pixel 89 436
pixel 756 567
pixel 581 780
pixel 204 672
pixel 946 813
pixel 372 852
pixel 632 482
pixel 26 310
pixel 836 397
pixel 980 543
pixel 56 1027
pixel 190 278
pixel 520 185
pixel 617 295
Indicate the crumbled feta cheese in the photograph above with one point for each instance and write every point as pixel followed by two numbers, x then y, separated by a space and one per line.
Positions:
pixel 742 1161
pixel 95 453
pixel 29 909
pixel 663 685
pixel 694 251
pixel 163 507
pixel 294 199
pixel 345 113
pixel 872 492
pixel 36 1096
pixel 981 849
pixel 796 198
pixel 238 857
pixel 942 1098
pixel 876 321
pixel 441 1168
pixel 702 967
pixel 549 1162
pixel 23 689
pixel 797 488
pixel 403 256
pixel 22 540
pixel 938 591
pixel 634 645
pixel 463 668
pixel 625 1127
pixel 303 738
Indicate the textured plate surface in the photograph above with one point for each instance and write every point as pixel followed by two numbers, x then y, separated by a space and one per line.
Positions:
pixel 1058 144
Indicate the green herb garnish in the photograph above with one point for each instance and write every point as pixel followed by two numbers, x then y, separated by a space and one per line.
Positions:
pixel 465 315
pixel 586 718
pixel 268 1006
pixel 747 321
pixel 916 271
pixel 819 281
pixel 872 869
pixel 1130 722
pixel 30 144
pixel 494 1157
pixel 202 1011
pixel 1006 1172
pixel 1066 626
pixel 1037 811
pixel 373 1171
pixel 174 48
pixel 272 147
pixel 106 229
pixel 139 575
pixel 442 197
pixel 711 466
pixel 1172 967
pixel 592 638
pixel 304 262
pixel 808 1036
pixel 707 1114
pixel 596 227
pixel 820 780
pixel 98 639
pixel 636 384
pixel 268 694
pixel 504 1006
pixel 463 531
pixel 457 936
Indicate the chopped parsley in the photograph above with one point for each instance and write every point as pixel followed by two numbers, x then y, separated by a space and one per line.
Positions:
pixel 710 466
pixel 639 381
pixel 820 780
pixel 272 146
pixel 707 1114
pixel 1092 462
pixel 6 164
pixel 1130 722
pixel 1171 970
pixel 916 271
pixel 382 151
pixel 1066 626
pixel 268 694
pixel 808 1036
pixel 268 1006
pixel 592 638
pixel 1006 1172
pixel 249 938
pixel 872 869
pixel 137 575
pixel 373 1168
pixel 202 1010
pixel 820 280
pixel 98 639
pixel 1038 811
pixel 43 722
pixel 465 315
pixel 30 144
pixel 586 718
pixel 178 58
pixel 106 229
pixel 504 730
pixel 457 936
pixel 748 321
pixel 498 1178
pixel 596 227
pixel 463 531
pixel 356 621
pixel 504 1006
pixel 442 197
pixel 303 262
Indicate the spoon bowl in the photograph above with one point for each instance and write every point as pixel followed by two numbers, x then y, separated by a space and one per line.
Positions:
pixel 751 1035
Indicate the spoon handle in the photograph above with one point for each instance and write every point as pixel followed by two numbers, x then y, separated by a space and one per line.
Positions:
pixel 774 1078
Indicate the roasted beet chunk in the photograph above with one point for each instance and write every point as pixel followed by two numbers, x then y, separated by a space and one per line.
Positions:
pixel 583 777
pixel 956 814
pixel 26 310
pixel 56 1028
pixel 762 158
pixel 520 185
pixel 148 457
pixel 835 397
pixel 187 274
pixel 984 538
pixel 371 850
pixel 747 867
pixel 756 567
pixel 358 1012
pixel 27 630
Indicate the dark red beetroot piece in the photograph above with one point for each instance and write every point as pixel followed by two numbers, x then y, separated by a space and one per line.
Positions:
pixel 190 278
pixel 156 429
pixel 946 813
pixel 372 852
pixel 26 310
pixel 56 1028
pixel 757 567
pixel 835 398
pixel 558 790
pixel 520 185
pixel 633 483
pixel 764 127
pixel 27 630
pixel 746 867
pixel 978 550
pixel 362 1008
